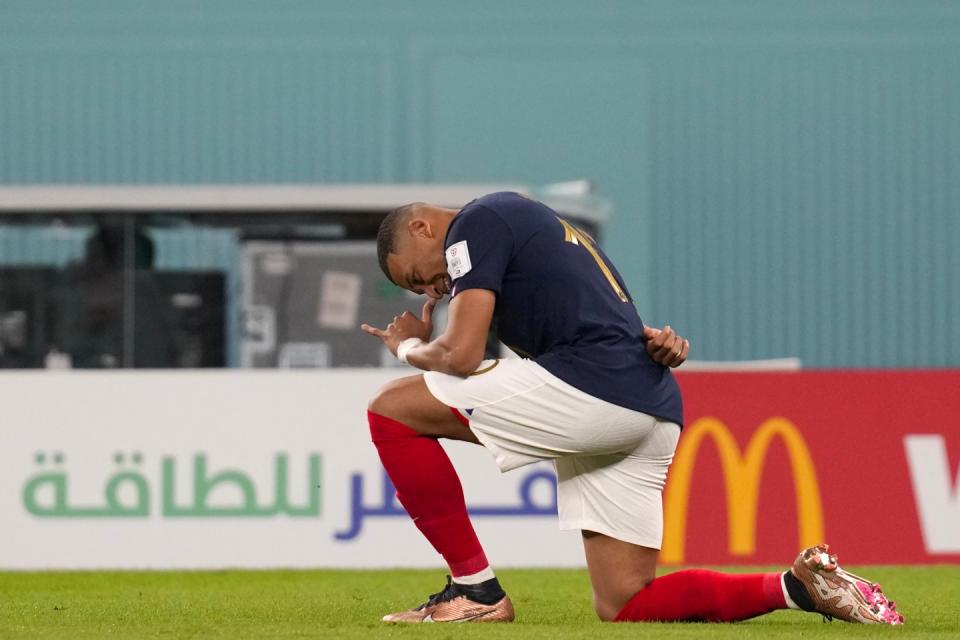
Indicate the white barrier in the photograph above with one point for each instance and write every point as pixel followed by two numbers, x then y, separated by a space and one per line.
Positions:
pixel 232 469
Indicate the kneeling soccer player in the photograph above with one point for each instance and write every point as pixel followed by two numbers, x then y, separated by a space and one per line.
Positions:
pixel 593 392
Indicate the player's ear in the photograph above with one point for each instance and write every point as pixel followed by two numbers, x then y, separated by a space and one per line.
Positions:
pixel 419 228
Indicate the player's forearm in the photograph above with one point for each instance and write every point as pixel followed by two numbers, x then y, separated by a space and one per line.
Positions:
pixel 439 355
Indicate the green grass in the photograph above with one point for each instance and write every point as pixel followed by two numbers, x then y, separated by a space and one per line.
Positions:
pixel 348 604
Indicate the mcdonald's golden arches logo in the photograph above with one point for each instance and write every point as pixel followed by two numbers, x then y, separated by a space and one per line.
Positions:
pixel 742 475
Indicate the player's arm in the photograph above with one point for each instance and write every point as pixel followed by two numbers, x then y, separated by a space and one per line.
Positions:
pixel 459 350
pixel 481 246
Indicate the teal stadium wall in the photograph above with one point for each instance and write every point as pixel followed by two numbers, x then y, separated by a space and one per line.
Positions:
pixel 786 175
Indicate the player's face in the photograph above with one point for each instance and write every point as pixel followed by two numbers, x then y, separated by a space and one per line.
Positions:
pixel 419 266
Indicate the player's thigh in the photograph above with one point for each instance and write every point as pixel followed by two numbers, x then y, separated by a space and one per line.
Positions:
pixel 616 500
pixel 618 570
pixel 408 401
pixel 523 414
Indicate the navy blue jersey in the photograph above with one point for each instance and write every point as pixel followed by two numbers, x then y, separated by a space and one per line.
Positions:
pixel 560 301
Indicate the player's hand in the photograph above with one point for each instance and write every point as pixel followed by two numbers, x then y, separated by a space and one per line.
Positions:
pixel 666 346
pixel 404 326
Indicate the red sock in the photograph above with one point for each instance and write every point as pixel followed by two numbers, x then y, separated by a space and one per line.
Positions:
pixel 697 595
pixel 429 489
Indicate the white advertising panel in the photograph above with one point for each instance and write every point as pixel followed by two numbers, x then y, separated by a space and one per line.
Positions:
pixel 233 469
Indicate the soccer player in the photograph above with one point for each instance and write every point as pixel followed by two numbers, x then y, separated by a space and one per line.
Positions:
pixel 592 392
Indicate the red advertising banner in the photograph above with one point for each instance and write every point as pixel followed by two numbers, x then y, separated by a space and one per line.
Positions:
pixel 770 463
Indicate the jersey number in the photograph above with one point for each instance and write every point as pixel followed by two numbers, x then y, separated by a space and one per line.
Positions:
pixel 574 236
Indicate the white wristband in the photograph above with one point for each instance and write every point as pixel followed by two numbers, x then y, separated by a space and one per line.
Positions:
pixel 404 348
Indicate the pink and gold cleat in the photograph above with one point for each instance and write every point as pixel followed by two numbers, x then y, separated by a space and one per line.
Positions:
pixel 453 604
pixel 836 593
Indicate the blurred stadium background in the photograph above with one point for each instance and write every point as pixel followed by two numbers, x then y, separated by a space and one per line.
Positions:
pixel 189 192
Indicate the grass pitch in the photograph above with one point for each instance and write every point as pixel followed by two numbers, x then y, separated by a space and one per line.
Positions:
pixel 348 604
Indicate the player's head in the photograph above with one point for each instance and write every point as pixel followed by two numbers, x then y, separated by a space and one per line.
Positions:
pixel 410 248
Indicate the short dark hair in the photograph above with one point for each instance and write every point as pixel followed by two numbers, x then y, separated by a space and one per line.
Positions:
pixel 387 233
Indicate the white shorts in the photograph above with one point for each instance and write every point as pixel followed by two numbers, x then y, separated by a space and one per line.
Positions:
pixel 611 461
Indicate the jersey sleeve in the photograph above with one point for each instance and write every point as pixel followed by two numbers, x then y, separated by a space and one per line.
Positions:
pixel 479 248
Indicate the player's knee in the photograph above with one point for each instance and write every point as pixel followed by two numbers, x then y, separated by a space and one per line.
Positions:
pixel 606 611
pixel 608 605
pixel 388 401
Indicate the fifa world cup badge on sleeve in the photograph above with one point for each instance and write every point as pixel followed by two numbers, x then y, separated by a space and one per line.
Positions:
pixel 458 260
